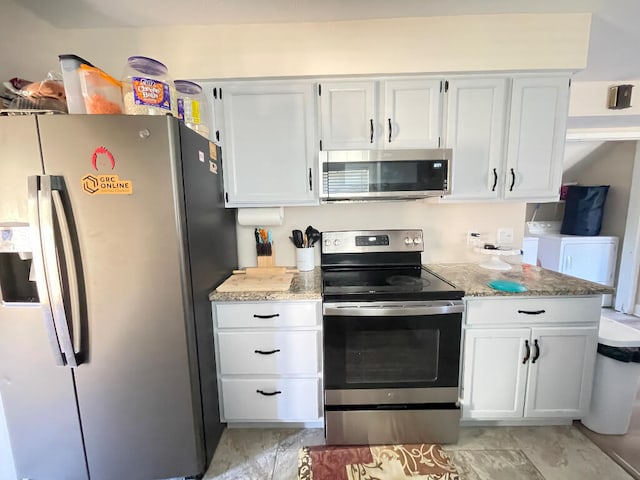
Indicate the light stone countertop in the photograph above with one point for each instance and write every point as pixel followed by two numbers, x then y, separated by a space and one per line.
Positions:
pixel 473 279
pixel 304 286
pixel 470 277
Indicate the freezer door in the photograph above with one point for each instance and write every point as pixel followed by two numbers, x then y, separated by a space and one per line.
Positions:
pixel 123 199
pixel 38 395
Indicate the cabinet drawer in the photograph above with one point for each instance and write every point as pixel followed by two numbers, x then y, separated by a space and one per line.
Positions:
pixel 267 314
pixel 533 310
pixel 297 401
pixel 269 353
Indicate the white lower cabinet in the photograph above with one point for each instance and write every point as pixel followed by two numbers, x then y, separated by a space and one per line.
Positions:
pixel 270 399
pixel 269 361
pixel 529 358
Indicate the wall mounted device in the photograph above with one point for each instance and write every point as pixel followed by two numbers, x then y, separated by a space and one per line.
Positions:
pixel 619 97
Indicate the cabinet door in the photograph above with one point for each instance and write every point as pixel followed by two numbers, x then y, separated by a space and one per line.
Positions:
pixel 594 261
pixel 476 116
pixel 412 113
pixel 536 138
pixel 494 376
pixel 268 143
pixel 561 372
pixel 348 115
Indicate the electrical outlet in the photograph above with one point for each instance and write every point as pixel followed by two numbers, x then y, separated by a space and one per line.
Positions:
pixel 473 238
pixel 504 236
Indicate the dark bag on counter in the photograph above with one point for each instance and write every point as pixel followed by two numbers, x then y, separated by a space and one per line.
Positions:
pixel 583 210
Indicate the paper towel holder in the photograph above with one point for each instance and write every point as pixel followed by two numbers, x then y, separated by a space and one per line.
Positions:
pixel 260 216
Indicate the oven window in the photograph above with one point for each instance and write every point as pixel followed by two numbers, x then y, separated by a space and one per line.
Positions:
pixel 391 351
pixel 376 356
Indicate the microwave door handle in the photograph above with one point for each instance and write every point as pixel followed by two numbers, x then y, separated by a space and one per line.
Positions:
pixel 52 271
pixel 72 274
pixel 33 202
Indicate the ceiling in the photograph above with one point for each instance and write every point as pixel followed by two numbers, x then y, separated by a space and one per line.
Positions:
pixel 613 51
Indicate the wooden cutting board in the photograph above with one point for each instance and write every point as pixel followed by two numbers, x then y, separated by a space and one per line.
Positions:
pixel 264 282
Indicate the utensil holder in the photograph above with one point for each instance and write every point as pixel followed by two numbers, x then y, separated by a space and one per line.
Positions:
pixel 305 259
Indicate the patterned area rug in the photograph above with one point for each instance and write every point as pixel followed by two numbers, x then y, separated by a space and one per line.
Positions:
pixel 379 462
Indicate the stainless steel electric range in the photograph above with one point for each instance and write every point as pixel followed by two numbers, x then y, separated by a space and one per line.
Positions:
pixel 391 341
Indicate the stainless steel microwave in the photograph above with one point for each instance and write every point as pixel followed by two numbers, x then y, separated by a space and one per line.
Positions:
pixel 357 175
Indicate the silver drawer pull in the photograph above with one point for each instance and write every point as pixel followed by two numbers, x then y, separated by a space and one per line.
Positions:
pixel 268 394
pixel 270 352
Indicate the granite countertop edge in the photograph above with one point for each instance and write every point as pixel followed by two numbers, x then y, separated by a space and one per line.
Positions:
pixel 304 286
pixel 540 282
pixel 469 277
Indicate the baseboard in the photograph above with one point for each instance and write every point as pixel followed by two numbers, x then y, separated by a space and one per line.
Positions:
pixel 319 424
pixel 522 422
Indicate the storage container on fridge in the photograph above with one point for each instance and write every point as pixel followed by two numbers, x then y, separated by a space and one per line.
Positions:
pixel 192 108
pixel 147 88
pixel 69 64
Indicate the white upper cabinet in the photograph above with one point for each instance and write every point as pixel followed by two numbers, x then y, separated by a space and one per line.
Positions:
pixel 537 130
pixel 348 115
pixel 412 113
pixel 267 132
pixel 382 114
pixel 507 136
pixel 475 131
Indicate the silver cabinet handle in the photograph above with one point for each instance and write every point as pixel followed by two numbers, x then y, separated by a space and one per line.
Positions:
pixel 52 271
pixel 33 201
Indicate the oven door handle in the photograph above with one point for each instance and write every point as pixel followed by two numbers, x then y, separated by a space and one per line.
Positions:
pixel 382 309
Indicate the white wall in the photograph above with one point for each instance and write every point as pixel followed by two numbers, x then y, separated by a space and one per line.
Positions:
pixel 445 226
pixel 29 46
pixel 7 471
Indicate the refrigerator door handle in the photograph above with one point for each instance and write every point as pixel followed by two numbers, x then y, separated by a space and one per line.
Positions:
pixel 33 188
pixel 52 270
pixel 72 276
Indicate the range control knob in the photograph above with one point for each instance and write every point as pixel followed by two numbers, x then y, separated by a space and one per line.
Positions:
pixel 407 241
pixel 337 242
pixel 417 241
pixel 327 242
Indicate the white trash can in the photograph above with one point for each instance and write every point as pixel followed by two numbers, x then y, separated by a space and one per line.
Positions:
pixel 616 379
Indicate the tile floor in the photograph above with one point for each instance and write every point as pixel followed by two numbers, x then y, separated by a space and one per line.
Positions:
pixel 482 453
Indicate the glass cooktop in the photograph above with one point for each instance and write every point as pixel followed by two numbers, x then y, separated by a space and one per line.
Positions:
pixel 394 283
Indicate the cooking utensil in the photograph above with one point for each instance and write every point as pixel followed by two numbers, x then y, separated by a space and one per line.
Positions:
pixel 313 235
pixel 297 238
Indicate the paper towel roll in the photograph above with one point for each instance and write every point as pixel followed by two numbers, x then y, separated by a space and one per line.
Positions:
pixel 254 217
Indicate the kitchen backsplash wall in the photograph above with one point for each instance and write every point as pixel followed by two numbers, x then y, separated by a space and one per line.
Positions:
pixel 445 227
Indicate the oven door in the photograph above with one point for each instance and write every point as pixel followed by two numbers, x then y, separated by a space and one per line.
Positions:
pixel 392 352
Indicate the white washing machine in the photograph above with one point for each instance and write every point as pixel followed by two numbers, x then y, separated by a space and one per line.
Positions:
pixel 590 258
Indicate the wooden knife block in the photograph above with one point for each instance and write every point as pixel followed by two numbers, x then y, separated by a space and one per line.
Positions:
pixel 265 261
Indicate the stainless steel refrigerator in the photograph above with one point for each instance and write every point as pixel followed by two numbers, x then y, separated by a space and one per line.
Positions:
pixel 112 233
